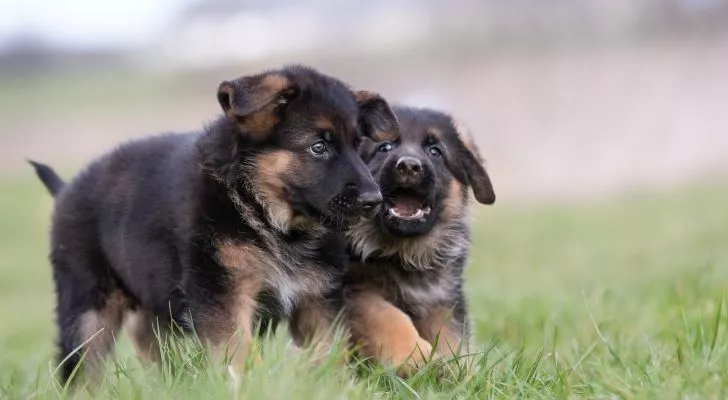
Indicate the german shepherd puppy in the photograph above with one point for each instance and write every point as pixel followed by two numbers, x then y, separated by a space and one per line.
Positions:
pixel 403 291
pixel 217 230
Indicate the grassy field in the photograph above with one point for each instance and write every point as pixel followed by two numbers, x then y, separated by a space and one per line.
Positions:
pixel 621 298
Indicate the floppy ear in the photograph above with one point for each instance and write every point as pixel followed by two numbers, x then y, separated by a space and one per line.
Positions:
pixel 467 166
pixel 367 148
pixel 254 102
pixel 375 117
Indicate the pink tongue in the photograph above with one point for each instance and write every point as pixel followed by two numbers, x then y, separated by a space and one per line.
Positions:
pixel 406 205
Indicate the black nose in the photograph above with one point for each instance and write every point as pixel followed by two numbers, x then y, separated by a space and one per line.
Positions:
pixel 409 166
pixel 370 201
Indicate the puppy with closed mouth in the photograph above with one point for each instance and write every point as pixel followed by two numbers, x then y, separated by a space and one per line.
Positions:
pixel 219 230
pixel 403 290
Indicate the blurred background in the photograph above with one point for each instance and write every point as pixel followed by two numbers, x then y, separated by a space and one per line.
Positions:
pixel 604 124
pixel 567 98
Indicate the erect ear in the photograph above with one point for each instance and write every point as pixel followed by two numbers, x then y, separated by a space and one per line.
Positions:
pixel 375 117
pixel 254 102
pixel 467 165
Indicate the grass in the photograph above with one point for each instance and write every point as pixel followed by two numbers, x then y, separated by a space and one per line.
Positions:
pixel 621 298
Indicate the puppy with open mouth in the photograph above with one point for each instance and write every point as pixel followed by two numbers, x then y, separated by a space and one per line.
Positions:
pixel 403 292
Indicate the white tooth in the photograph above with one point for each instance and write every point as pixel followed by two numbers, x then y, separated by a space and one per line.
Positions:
pixel 419 214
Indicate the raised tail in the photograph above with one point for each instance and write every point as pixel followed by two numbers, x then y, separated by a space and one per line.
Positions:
pixel 49 177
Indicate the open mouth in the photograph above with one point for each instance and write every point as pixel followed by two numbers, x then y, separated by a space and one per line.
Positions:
pixel 407 205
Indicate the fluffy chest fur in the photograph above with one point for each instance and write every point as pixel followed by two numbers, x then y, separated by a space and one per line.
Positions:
pixel 414 273
pixel 253 256
pixel 286 267
pixel 433 251
pixel 279 275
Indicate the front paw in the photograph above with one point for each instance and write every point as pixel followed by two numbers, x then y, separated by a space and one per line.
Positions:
pixel 323 353
pixel 411 359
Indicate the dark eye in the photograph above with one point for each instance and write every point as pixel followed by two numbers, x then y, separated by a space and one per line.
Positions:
pixel 434 151
pixel 319 148
pixel 385 147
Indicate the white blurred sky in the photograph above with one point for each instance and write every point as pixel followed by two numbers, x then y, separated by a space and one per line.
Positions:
pixel 86 23
pixel 100 23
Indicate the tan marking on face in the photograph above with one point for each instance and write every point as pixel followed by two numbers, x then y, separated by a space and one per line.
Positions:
pixel 435 133
pixel 324 124
pixel 383 136
pixel 386 333
pixel 440 326
pixel 453 204
pixel 270 187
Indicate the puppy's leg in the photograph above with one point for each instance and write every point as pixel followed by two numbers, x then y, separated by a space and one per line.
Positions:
pixel 89 310
pixel 145 333
pixel 311 321
pixel 87 329
pixel 312 326
pixel 442 326
pixel 385 332
pixel 228 330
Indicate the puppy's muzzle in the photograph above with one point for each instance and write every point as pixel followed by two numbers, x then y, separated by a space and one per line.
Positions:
pixel 353 202
pixel 408 170
pixel 369 203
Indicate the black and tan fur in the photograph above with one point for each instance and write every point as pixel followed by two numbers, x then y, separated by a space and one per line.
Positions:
pixel 219 230
pixel 404 289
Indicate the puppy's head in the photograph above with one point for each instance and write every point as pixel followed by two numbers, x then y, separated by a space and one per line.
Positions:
pixel 425 173
pixel 297 132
